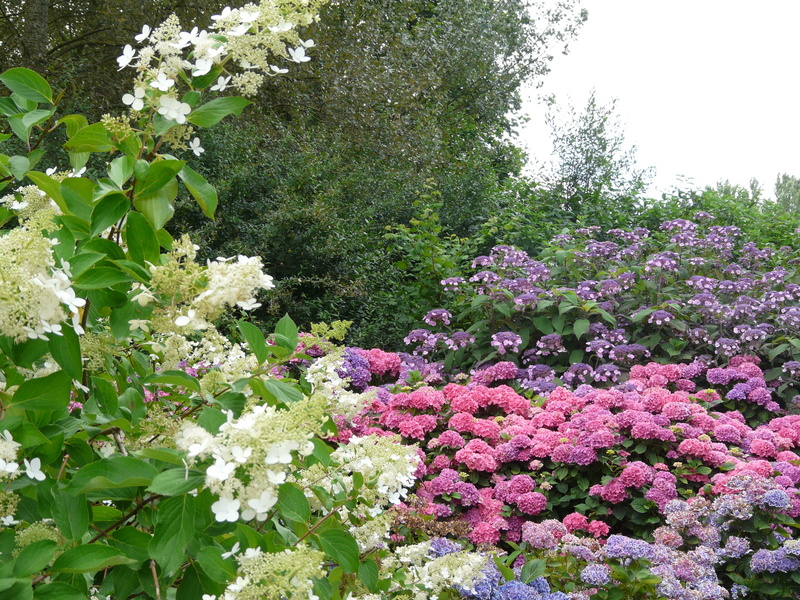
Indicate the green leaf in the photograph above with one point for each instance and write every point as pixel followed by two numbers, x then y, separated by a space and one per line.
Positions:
pixel 100 277
pixel 203 192
pixel 158 207
pixel 44 393
pixel 288 330
pixel 93 138
pixel 255 339
pixel 213 565
pixel 89 558
pixel 159 175
pixel 140 236
pixel 341 547
pixel 71 514
pixel 213 112
pixel 121 169
pixel 108 211
pixel 533 569
pixel 506 572
pixel 110 473
pixel 173 532
pixel 273 389
pixel 180 378
pixel 66 350
pixel 580 327
pixel 18 165
pixel 35 557
pixel 28 84
pixel 57 590
pixel 73 123
pixel 174 482
pixel 292 503
pixel 368 574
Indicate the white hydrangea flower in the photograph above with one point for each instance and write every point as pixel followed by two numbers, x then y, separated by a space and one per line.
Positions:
pixel 174 109
pixel 128 54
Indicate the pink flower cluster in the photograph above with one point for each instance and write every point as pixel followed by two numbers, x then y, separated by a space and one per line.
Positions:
pixel 492 453
pixel 382 364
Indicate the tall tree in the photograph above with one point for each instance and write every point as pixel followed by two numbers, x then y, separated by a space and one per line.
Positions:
pixel 595 174
pixel 787 192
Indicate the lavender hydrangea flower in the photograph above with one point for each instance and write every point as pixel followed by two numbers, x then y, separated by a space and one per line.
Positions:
pixel 596 575
pixel 505 341
pixel 438 316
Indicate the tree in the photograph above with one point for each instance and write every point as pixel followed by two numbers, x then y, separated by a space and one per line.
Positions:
pixel 398 93
pixel 787 192
pixel 594 176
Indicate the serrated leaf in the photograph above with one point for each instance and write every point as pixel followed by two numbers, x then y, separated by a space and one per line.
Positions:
pixel 66 350
pixel 368 574
pixel 71 514
pixel 92 138
pixel 159 174
pixel 533 569
pixel 141 239
pixel 173 532
pixel 213 565
pixel 580 327
pixel 100 277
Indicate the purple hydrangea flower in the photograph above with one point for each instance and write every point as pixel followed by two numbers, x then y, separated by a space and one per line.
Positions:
pixel 506 340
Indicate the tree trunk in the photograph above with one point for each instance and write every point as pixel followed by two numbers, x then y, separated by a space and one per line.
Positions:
pixel 35 36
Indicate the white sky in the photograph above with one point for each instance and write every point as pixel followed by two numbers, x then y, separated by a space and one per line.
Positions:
pixel 707 89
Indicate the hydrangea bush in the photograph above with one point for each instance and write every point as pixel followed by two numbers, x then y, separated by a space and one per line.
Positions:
pixel 594 303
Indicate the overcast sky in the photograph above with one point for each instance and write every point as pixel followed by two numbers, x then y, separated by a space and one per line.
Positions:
pixel 707 89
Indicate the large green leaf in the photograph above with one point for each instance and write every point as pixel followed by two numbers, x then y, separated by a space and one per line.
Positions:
pixel 179 378
pixel 44 393
pixel 293 504
pixel 100 277
pixel 158 175
pixel 28 84
pixel 158 207
pixel 173 532
pixel 89 558
pixel 141 238
pixel 108 211
pixel 174 482
pixel 57 590
pixel 202 191
pixel 255 339
pixel 71 514
pixel 93 138
pixel 34 557
pixel 341 547
pixel 213 112
pixel 109 473
pixel 66 350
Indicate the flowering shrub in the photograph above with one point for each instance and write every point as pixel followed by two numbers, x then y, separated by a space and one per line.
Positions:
pixel 144 454
pixel 589 308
